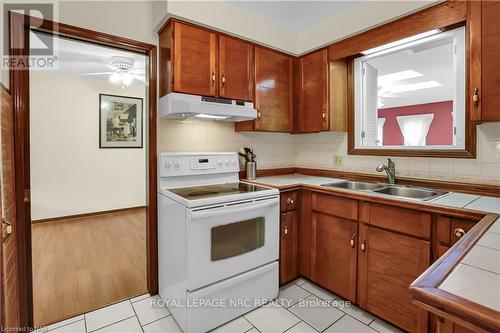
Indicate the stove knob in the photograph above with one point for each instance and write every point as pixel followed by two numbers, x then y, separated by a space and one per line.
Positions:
pixel 234 162
pixel 168 164
pixel 177 163
pixel 220 162
pixel 226 162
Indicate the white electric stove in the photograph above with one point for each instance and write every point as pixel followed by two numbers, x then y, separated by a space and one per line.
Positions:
pixel 218 239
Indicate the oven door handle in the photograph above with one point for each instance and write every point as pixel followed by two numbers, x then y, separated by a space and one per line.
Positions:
pixel 236 209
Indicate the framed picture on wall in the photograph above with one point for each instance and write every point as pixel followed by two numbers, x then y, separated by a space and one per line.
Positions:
pixel 120 121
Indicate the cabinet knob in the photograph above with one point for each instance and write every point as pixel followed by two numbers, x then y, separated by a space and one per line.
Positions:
pixel 363 245
pixel 286 230
pixel 289 201
pixel 459 232
pixel 475 98
pixel 352 240
pixel 213 79
pixel 223 80
pixel 258 114
pixel 323 115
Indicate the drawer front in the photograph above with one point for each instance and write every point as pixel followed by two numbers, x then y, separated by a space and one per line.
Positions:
pixel 407 221
pixel 334 205
pixel 288 201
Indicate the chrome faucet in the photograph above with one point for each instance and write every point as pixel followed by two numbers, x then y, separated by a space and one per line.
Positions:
pixel 390 170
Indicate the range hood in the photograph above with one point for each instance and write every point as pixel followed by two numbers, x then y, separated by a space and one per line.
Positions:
pixel 182 106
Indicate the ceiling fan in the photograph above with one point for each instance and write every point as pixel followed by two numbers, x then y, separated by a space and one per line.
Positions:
pixel 122 71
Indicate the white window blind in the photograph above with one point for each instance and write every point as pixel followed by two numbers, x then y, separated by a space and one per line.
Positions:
pixel 370 104
pixel 415 128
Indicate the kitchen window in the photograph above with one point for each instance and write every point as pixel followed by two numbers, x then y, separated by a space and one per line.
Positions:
pixel 410 94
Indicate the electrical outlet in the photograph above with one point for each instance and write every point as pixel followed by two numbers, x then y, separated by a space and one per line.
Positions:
pixel 338 160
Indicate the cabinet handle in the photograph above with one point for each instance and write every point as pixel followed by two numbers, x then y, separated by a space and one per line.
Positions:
pixel 213 79
pixel 323 115
pixel 352 240
pixel 289 201
pixel 475 98
pixel 258 115
pixel 363 245
pixel 459 232
pixel 223 80
pixel 286 230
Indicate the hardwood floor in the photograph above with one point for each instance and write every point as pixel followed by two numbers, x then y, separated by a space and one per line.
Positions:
pixel 86 263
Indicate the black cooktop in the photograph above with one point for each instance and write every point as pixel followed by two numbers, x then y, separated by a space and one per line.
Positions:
pixel 217 190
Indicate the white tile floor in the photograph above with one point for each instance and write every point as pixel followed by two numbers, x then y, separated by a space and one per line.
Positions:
pixel 302 307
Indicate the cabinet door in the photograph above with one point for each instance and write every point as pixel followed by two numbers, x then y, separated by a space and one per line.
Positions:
pixel 273 90
pixel 490 60
pixel 288 247
pixel 387 264
pixel 304 227
pixel 313 111
pixel 195 59
pixel 235 69
pixel 334 254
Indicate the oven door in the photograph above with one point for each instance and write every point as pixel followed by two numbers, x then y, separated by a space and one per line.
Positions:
pixel 232 239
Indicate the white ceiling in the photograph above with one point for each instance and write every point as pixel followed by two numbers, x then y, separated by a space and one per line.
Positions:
pixel 434 62
pixel 291 14
pixel 77 58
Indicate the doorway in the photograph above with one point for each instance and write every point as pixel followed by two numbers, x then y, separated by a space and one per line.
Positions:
pixel 93 217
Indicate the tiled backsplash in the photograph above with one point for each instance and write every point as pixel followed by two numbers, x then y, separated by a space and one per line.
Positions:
pixel 317 150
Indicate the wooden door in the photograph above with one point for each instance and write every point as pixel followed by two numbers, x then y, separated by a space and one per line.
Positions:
pixel 288 247
pixel 9 301
pixel 235 69
pixel 273 90
pixel 314 104
pixel 388 263
pixel 195 56
pixel 490 61
pixel 334 254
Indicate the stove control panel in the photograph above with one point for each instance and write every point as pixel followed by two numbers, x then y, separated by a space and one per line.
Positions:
pixel 184 164
pixel 202 163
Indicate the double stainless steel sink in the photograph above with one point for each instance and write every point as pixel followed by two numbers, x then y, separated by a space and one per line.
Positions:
pixel 398 191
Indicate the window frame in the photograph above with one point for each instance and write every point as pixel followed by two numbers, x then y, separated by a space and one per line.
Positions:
pixel 457 33
pixel 469 150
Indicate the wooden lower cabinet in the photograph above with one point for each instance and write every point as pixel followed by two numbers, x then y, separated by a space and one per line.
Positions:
pixel 333 257
pixel 288 246
pixel 388 262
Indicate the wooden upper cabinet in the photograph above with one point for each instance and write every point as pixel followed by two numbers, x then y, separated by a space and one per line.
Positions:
pixel 485 59
pixel 198 61
pixel 273 90
pixel 235 69
pixel 194 60
pixel 313 109
pixel 388 263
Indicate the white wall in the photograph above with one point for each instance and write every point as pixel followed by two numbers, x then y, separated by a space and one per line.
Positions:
pixel 226 18
pixel 69 173
pixel 365 15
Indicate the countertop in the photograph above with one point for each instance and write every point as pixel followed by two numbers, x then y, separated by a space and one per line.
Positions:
pixel 451 200
pixel 463 286
pixel 480 268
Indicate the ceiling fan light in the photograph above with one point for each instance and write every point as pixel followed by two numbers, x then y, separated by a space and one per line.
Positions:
pixel 127 79
pixel 115 78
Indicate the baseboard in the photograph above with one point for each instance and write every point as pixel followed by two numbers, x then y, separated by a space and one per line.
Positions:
pixel 68 217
